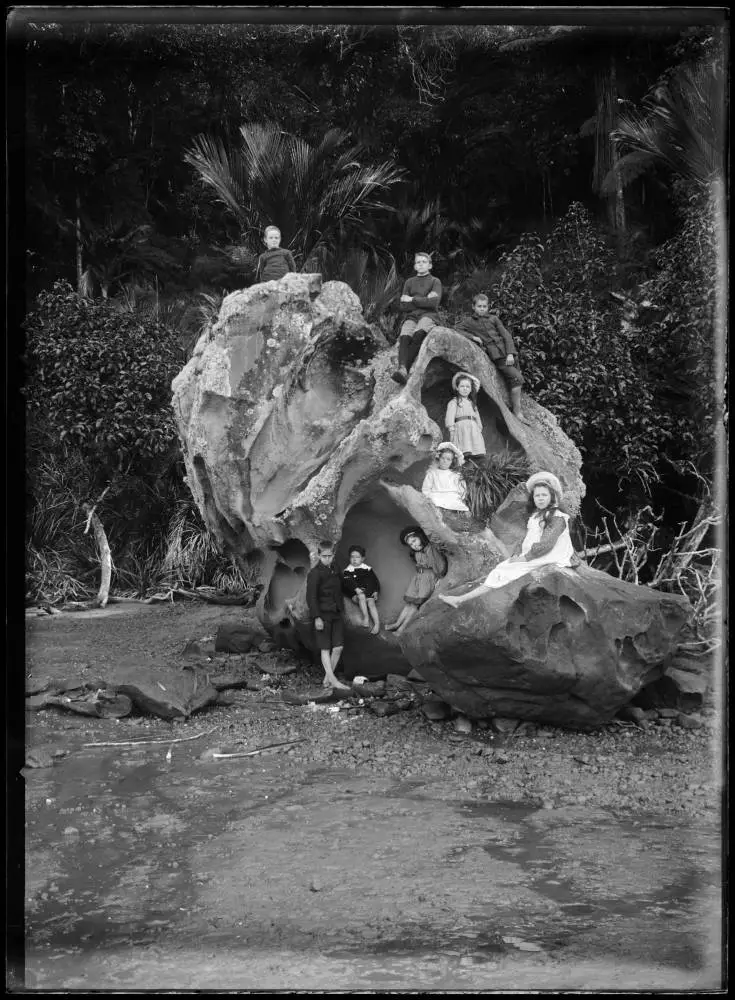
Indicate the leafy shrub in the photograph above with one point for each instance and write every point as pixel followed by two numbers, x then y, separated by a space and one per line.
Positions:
pixel 489 481
pixel 99 381
pixel 583 359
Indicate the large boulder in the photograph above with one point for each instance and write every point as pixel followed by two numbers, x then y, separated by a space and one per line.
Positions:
pixel 561 646
pixel 293 431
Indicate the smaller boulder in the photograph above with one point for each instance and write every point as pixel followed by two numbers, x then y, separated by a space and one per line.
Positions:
pixel 462 724
pixel 233 637
pixel 502 724
pixel 435 710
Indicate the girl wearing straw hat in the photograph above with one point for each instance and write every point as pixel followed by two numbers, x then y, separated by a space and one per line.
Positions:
pixel 430 566
pixel 547 540
pixel 463 418
pixel 443 484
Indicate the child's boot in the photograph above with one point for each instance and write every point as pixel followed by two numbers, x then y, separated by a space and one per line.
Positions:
pixel 400 375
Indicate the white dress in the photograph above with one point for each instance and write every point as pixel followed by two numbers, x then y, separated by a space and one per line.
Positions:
pixel 465 426
pixel 561 554
pixel 445 488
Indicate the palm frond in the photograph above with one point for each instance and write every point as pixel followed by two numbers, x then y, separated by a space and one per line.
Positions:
pixel 221 170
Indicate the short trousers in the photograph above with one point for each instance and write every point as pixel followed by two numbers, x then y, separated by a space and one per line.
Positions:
pixel 332 635
pixel 411 325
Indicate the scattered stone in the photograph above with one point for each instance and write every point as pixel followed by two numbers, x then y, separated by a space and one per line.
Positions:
pixel 632 713
pixel 462 724
pixel 544 734
pixel 502 758
pixel 502 724
pixel 665 722
pixel 209 754
pixel 399 682
pixel 526 729
pixel 384 708
pixel 414 675
pixel 71 832
pixel 38 758
pixel 482 724
pixel 275 667
pixel 234 638
pixel 199 648
pixel 37 685
pixel 369 689
pixel 668 713
pixel 435 710
pixel 266 646
pixel 689 721
pixel 149 697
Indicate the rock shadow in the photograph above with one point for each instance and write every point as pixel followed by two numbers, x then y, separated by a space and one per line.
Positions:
pixel 436 392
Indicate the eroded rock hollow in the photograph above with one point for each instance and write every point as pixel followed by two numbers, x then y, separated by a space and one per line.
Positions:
pixel 293 431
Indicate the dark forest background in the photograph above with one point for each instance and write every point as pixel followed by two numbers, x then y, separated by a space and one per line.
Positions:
pixel 574 173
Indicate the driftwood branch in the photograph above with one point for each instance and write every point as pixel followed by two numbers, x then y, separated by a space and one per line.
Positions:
pixel 251 753
pixel 103 547
pixel 149 743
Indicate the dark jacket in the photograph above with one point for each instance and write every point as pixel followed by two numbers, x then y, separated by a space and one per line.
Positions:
pixel 324 592
pixel 496 340
pixel 273 264
pixel 360 576
pixel 419 288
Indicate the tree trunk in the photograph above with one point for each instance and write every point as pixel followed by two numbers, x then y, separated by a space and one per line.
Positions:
pixel 78 239
pixel 103 547
pixel 619 211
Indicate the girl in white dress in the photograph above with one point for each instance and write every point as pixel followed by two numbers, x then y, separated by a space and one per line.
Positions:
pixel 547 539
pixel 443 484
pixel 462 418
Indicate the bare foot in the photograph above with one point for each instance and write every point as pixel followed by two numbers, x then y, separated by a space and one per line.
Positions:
pixel 338 685
pixel 392 627
pixel 451 601
pixel 365 622
pixel 375 629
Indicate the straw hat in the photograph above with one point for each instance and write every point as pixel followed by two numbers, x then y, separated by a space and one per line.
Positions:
pixel 547 479
pixel 448 446
pixel 473 379
pixel 412 529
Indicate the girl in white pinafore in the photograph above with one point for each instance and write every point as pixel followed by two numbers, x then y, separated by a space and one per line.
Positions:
pixel 443 484
pixel 547 540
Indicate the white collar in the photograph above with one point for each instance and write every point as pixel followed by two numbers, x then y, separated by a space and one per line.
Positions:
pixel 351 568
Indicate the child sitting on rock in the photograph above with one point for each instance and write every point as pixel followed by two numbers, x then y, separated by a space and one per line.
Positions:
pixel 547 540
pixel 362 586
pixel 419 301
pixel 443 484
pixel 275 261
pixel 486 330
pixel 430 566
pixel 462 418
pixel 325 602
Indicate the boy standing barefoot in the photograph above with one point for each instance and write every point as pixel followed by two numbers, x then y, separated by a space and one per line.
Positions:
pixel 325 603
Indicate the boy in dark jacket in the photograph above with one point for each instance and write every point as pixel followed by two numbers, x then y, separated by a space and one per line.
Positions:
pixel 420 301
pixel 487 331
pixel 326 604
pixel 275 261
pixel 361 585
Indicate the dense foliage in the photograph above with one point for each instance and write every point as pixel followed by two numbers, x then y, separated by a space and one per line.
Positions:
pixel 99 381
pixel 564 169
